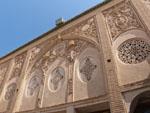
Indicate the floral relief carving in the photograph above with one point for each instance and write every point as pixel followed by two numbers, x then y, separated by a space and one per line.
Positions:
pixel 86 28
pixel 10 91
pixel 19 61
pixel 134 51
pixel 68 49
pixel 33 53
pixel 87 69
pixel 120 19
pixel 56 78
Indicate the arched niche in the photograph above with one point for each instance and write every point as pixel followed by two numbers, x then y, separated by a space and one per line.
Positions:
pixel 31 88
pixel 8 93
pixel 141 103
pixel 56 62
pixel 53 61
pixel 34 82
pixel 131 51
pixel 89 79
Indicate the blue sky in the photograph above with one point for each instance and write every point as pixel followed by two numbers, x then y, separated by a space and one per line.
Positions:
pixel 24 20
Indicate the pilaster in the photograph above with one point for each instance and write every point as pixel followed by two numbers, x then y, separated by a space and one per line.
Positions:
pixel 115 96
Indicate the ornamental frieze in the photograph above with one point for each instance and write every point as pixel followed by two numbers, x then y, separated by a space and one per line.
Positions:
pixel 86 28
pixel 19 61
pixel 121 18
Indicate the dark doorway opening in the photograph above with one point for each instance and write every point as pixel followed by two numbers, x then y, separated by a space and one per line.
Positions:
pixel 141 104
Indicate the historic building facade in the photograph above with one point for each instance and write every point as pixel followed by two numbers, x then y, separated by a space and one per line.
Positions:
pixel 98 62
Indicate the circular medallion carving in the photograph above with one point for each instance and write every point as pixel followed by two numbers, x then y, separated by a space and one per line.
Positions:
pixel 87 68
pixel 34 85
pixel 10 91
pixel 56 79
pixel 133 51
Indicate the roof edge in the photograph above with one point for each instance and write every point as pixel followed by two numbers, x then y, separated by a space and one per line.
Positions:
pixel 56 28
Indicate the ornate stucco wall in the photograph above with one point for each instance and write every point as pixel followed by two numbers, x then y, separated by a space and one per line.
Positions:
pixel 98 61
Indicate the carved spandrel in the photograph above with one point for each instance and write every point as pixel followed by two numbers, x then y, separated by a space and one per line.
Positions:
pixel 121 18
pixel 19 61
pixel 86 28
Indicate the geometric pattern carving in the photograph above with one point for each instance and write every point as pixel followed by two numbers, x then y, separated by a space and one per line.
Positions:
pixel 10 91
pixel 133 51
pixel 56 78
pixel 34 85
pixel 121 18
pixel 87 69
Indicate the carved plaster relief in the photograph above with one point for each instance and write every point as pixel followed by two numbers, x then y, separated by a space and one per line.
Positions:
pixel 87 68
pixel 56 79
pixel 121 18
pixel 68 49
pixel 34 82
pixel 33 53
pixel 19 61
pixel 88 78
pixel 134 51
pixel 86 28
pixel 10 91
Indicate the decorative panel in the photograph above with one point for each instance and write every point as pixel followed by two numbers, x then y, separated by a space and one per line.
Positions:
pixel 56 79
pixel 34 82
pixel 10 90
pixel 11 83
pixel 17 68
pixel 32 88
pixel 121 18
pixel 87 68
pixel 88 76
pixel 86 28
pixel 134 51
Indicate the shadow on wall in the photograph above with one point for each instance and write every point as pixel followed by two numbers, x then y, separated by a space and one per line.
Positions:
pixel 141 103
pixel 147 81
